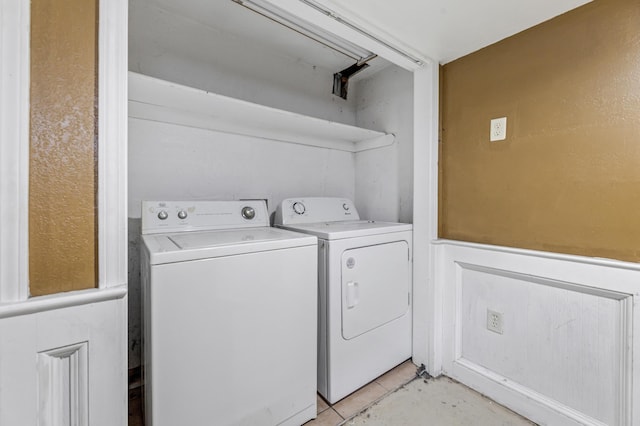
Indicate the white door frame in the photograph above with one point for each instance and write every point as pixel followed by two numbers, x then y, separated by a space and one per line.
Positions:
pixel 427 292
pixel 14 149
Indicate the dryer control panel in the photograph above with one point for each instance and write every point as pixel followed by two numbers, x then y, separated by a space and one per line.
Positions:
pixel 293 211
pixel 179 216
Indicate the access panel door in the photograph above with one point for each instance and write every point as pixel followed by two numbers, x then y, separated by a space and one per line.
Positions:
pixel 375 286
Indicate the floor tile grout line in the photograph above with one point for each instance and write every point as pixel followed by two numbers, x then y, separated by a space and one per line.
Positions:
pixel 366 407
pixel 339 415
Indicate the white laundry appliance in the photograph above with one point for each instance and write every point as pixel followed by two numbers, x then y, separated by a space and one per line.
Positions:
pixel 364 291
pixel 230 316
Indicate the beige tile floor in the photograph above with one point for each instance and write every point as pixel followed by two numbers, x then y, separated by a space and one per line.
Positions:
pixel 364 397
pixel 344 409
pixel 436 402
pixel 398 398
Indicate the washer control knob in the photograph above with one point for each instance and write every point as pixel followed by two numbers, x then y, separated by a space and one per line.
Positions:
pixel 248 212
pixel 163 215
pixel 345 206
pixel 182 214
pixel 299 208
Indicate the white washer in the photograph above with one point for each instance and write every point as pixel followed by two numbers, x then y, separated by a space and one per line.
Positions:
pixel 364 296
pixel 230 316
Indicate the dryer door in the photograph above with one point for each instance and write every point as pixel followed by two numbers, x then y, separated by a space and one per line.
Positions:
pixel 375 286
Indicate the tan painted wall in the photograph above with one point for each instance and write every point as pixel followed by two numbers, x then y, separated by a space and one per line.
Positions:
pixel 567 179
pixel 62 180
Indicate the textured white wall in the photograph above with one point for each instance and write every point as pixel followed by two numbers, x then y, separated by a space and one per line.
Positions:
pixel 174 162
pixel 384 177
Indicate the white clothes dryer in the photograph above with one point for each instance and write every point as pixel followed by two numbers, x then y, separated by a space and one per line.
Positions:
pixel 229 316
pixel 364 291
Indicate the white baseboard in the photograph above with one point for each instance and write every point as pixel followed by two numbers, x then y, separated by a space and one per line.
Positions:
pixel 528 403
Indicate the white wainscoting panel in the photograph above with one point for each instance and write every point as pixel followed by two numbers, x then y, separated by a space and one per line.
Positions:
pixel 566 351
pixel 65 366
pixel 63 392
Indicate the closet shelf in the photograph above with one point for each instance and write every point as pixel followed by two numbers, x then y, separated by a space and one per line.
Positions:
pixel 163 101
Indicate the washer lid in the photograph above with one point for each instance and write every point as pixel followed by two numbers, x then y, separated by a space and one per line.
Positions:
pixel 349 229
pixel 184 246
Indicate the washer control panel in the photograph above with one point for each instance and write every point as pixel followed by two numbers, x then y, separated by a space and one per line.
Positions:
pixel 178 216
pixel 315 209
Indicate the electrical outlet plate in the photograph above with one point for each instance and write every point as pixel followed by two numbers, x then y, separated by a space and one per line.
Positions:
pixel 494 321
pixel 498 129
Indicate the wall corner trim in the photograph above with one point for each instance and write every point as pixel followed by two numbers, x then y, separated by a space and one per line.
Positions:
pixel 112 134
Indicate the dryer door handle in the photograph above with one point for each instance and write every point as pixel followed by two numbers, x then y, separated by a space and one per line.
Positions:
pixel 353 294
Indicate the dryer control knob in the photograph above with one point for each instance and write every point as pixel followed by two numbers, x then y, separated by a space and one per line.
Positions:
pixel 248 212
pixel 163 215
pixel 182 214
pixel 299 208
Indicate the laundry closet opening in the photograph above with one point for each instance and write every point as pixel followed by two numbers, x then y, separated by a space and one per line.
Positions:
pixel 232 105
